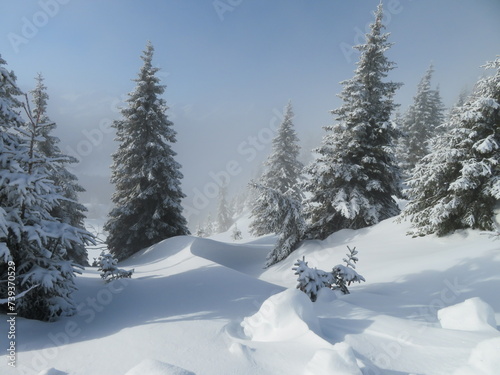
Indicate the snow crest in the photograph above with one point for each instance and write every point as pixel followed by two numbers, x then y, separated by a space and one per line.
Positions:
pixel 471 315
pixel 283 316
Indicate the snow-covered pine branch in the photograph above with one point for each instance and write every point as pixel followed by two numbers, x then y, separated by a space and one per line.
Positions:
pixel 3 301
pixel 494 234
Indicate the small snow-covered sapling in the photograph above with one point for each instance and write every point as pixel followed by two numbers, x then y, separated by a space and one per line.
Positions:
pixel 311 280
pixel 343 276
pixel 109 269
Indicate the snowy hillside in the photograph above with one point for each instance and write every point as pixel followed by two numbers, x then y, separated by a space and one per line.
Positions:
pixel 204 306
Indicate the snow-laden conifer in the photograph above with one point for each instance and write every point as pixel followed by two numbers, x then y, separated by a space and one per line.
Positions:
pixel 69 210
pixel 287 221
pixel 209 226
pixel 29 235
pixel 282 172
pixel 236 234
pixel 148 193
pixel 458 184
pixel 310 280
pixel 108 268
pixel 224 215
pixel 200 231
pixel 355 176
pixel 420 123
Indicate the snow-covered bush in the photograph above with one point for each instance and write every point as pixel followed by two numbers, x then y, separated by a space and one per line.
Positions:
pixel 311 280
pixel 107 265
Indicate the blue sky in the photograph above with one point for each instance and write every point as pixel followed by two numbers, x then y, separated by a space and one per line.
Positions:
pixel 229 65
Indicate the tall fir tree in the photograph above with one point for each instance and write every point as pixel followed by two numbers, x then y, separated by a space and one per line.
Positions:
pixel 146 176
pixel 420 123
pixel 282 173
pixel 457 186
pixel 209 226
pixel 355 176
pixel 224 215
pixel 69 210
pixel 30 237
pixel 282 168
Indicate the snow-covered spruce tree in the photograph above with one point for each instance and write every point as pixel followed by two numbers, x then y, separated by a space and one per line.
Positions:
pixel 355 175
pixel 29 235
pixel 420 123
pixel 311 280
pixel 282 172
pixel 69 210
pixel 209 226
pixel 224 216
pixel 236 235
pixel 457 186
pixel 146 176
pixel 108 267
pixel 287 222
pixel 200 231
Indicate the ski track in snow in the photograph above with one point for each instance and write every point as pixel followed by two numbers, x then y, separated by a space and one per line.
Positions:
pixel 206 306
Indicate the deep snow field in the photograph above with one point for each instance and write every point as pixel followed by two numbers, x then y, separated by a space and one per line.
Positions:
pixel 206 307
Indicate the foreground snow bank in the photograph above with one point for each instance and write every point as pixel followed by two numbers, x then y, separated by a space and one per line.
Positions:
pixel 283 316
pixel 339 361
pixel 484 359
pixel 154 367
pixel 471 315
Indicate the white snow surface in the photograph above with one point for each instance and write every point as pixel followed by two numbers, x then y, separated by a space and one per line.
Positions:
pixel 207 307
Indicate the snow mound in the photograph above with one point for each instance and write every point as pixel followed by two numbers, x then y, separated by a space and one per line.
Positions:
pixel 283 316
pixel 325 295
pixel 154 367
pixel 52 371
pixel 339 361
pixel 484 359
pixel 471 315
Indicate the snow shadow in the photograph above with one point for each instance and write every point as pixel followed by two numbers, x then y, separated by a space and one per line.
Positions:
pixel 420 295
pixel 207 293
pixel 245 258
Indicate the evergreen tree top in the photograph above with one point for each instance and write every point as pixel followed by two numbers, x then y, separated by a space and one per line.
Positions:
pixel 366 97
pixel 8 101
pixel 282 168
